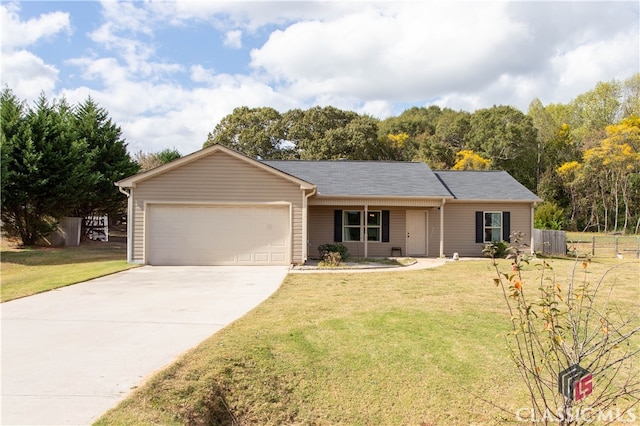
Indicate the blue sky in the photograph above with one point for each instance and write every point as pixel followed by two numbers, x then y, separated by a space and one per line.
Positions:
pixel 168 71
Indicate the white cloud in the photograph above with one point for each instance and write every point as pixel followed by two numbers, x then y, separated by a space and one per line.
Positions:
pixel 128 16
pixel 410 54
pixel 136 53
pixel 201 75
pixel 154 116
pixel 16 33
pixel 577 70
pixel 250 16
pixel 233 39
pixel 27 75
pixel 377 108
pixel 466 55
pixel 24 72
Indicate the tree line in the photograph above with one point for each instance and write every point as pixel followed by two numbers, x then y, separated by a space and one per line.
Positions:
pixel 582 157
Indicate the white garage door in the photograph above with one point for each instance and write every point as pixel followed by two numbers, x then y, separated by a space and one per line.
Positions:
pixel 214 235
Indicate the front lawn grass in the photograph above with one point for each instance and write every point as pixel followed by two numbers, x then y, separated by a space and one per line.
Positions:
pixel 395 348
pixel 29 271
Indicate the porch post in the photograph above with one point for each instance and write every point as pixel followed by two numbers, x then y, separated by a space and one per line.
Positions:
pixel 366 230
pixel 442 228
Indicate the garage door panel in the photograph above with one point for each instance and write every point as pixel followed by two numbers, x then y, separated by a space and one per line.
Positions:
pixel 214 235
pixel 278 257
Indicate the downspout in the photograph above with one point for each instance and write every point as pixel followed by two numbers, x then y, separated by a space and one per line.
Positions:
pixel 305 225
pixel 129 223
pixel 442 227
pixel 533 251
pixel 366 231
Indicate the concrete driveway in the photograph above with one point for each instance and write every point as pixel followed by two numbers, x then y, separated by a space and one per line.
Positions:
pixel 69 355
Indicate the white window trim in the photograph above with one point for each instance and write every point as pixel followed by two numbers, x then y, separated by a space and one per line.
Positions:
pixel 346 226
pixel 485 227
pixel 379 227
pixel 363 226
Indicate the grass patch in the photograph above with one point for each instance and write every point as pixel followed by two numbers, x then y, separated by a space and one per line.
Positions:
pixel 34 270
pixel 412 347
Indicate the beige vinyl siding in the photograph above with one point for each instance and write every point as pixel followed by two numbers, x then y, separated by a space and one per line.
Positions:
pixel 138 229
pixel 321 231
pixel 460 226
pixel 320 228
pixel 219 178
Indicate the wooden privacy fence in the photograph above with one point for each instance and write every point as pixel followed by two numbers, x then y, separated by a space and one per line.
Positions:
pixel 549 242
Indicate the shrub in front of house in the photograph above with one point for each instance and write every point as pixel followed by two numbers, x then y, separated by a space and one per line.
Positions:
pixel 497 249
pixel 323 249
pixel 331 258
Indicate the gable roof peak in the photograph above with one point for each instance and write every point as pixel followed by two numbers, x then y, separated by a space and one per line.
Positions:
pixel 131 181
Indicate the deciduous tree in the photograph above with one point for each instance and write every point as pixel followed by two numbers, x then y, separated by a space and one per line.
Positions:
pixel 469 160
pixel 256 132
pixel 507 137
pixel 150 160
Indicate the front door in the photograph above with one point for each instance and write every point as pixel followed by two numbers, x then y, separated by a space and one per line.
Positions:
pixel 416 233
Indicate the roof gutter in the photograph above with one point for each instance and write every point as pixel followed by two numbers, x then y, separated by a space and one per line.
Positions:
pixel 385 197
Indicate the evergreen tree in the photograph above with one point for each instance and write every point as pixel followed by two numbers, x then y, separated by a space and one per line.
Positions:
pixel 57 161
pixel 107 152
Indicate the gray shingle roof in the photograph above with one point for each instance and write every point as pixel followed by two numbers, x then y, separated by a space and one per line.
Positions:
pixel 485 185
pixel 367 178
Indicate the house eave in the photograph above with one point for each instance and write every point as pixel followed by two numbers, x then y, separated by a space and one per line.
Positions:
pixel 390 201
pixel 399 197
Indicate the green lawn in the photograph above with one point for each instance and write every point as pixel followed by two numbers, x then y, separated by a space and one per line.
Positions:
pixel 414 347
pixel 33 270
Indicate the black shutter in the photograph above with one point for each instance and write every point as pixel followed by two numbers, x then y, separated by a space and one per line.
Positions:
pixel 506 226
pixel 385 226
pixel 479 227
pixel 337 226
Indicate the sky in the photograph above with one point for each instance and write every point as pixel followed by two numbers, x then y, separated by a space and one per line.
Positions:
pixel 168 71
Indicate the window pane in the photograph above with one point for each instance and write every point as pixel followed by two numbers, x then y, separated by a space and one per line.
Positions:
pixel 493 219
pixel 487 219
pixel 352 218
pixel 373 234
pixel 492 234
pixel 373 219
pixel 352 234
